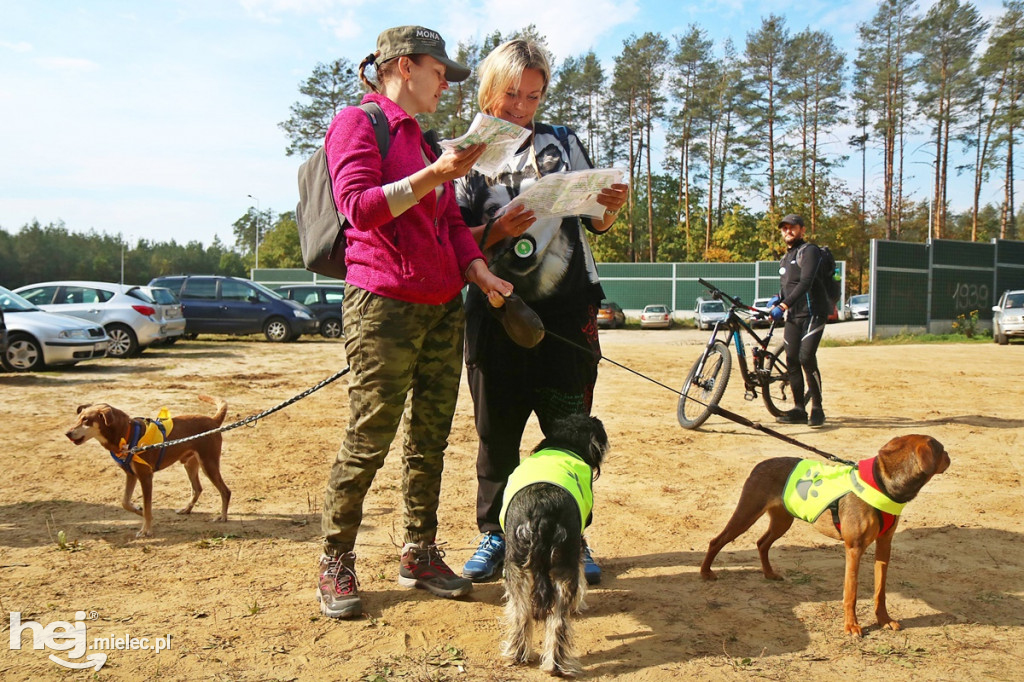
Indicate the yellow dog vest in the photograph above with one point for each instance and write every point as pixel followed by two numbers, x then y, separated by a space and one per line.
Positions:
pixel 812 486
pixel 558 467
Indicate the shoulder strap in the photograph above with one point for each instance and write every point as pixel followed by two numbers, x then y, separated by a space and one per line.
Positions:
pixel 380 126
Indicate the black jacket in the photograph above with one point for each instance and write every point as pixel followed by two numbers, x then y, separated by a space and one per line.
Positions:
pixel 801 290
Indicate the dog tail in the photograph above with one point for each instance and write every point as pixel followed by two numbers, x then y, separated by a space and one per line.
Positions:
pixel 544 542
pixel 222 408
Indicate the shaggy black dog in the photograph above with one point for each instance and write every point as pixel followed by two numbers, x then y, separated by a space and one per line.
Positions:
pixel 543 524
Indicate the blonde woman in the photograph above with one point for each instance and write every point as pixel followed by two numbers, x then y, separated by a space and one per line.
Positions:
pixel 409 255
pixel 550 264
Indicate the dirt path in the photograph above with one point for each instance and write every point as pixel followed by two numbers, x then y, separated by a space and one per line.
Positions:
pixel 237 599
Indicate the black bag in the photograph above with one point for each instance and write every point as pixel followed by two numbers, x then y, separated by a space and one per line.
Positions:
pixel 830 275
pixel 321 226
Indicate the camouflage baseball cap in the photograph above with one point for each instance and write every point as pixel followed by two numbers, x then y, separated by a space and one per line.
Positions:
pixel 406 40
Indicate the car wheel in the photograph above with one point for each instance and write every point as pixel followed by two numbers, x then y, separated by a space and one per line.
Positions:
pixel 123 342
pixel 1002 339
pixel 276 330
pixel 331 328
pixel 24 354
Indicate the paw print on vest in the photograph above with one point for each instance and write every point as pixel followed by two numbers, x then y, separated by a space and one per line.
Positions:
pixel 805 487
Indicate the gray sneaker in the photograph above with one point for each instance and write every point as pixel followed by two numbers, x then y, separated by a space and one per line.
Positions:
pixel 423 566
pixel 338 588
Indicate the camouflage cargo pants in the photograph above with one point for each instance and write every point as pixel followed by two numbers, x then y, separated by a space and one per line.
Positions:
pixel 395 350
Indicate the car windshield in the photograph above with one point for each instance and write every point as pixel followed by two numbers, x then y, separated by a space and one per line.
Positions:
pixel 268 292
pixel 863 299
pixel 712 307
pixel 657 309
pixel 163 296
pixel 1015 300
pixel 10 302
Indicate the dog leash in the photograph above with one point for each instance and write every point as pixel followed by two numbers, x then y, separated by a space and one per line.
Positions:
pixel 721 411
pixel 248 420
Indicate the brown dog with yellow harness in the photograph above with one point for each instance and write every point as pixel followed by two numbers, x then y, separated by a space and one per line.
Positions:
pixel 119 434
pixel 788 487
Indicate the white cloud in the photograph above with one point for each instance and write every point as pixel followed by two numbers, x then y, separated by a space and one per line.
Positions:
pixel 16 47
pixel 68 64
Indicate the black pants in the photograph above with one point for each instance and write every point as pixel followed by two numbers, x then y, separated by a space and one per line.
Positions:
pixel 802 337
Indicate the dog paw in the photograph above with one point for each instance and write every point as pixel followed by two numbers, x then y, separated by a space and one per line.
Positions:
pixel 221 519
pixel 888 624
pixel 708 574
pixel 853 629
pixel 144 533
pixel 183 511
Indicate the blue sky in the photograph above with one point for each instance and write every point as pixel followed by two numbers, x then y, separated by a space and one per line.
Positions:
pixel 156 120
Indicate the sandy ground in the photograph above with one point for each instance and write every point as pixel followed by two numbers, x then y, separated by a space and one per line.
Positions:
pixel 237 599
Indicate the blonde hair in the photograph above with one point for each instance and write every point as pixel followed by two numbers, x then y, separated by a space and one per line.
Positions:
pixel 503 69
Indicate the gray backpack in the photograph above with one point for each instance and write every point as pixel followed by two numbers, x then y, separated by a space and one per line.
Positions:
pixel 321 226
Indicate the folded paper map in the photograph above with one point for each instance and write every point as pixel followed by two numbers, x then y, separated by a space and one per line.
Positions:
pixel 502 138
pixel 569 193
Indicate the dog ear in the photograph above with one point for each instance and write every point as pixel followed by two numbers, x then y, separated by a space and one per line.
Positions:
pixel 82 407
pixel 932 455
pixel 108 415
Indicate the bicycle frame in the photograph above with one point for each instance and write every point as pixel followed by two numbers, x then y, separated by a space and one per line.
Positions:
pixel 766 376
pixel 735 325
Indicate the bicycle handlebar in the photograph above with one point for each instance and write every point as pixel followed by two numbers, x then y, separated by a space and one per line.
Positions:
pixel 737 303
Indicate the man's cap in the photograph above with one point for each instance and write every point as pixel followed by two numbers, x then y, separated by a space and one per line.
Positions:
pixel 407 40
pixel 792 219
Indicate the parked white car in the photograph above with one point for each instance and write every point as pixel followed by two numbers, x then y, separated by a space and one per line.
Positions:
pixel 708 312
pixel 655 316
pixel 169 309
pixel 37 339
pixel 1008 316
pixel 858 307
pixel 127 313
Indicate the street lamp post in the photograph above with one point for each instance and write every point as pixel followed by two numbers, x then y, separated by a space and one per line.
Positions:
pixel 256 199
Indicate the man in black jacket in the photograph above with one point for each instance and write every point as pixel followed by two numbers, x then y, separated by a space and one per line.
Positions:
pixel 804 303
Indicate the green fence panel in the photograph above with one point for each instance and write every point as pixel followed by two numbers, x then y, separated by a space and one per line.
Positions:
pixel 899 285
pixel 1009 267
pixel 962 277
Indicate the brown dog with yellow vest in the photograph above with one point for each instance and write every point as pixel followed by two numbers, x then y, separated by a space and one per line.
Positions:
pixel 877 490
pixel 118 433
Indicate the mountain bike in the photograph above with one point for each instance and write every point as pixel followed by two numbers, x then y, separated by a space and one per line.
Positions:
pixel 706 382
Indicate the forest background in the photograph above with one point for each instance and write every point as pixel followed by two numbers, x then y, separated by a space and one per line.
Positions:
pixel 746 133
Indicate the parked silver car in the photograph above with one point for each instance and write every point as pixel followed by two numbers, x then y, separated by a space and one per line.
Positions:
pixel 858 307
pixel 127 313
pixel 708 312
pixel 169 310
pixel 36 339
pixel 1008 316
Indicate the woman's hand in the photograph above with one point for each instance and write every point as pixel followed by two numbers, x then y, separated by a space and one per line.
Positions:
pixel 613 198
pixel 454 163
pixel 512 223
pixel 494 287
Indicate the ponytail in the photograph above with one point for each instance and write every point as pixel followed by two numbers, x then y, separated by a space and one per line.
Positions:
pixel 370 59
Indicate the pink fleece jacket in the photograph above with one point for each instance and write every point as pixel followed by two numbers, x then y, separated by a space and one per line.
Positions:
pixel 419 256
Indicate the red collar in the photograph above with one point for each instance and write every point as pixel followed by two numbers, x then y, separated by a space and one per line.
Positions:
pixel 866 469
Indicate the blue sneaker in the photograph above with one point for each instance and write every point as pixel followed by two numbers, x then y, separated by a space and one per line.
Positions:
pixel 591 571
pixel 488 559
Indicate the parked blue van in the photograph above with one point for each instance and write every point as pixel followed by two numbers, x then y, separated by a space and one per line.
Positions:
pixel 214 304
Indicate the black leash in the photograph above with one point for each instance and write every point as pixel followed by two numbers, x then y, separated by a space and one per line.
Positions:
pixel 248 420
pixel 721 411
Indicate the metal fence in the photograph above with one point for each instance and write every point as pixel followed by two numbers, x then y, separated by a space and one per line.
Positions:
pixel 914 288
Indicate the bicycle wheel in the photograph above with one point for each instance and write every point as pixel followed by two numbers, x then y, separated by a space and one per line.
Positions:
pixel 701 392
pixel 774 378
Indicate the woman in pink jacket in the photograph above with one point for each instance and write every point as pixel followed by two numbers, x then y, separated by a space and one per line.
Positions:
pixel 409 255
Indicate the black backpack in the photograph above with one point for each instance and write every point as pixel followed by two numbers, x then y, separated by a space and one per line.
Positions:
pixel 830 275
pixel 321 226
